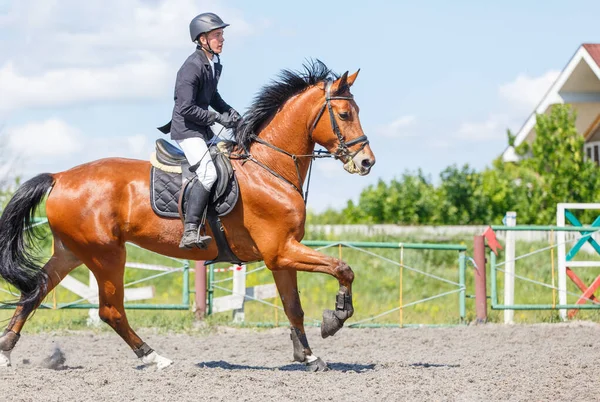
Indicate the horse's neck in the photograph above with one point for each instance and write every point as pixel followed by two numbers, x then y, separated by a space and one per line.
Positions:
pixel 290 135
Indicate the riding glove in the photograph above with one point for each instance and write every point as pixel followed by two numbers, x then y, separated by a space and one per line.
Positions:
pixel 226 120
pixel 235 115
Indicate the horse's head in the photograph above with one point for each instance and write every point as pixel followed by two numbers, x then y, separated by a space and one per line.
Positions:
pixel 337 126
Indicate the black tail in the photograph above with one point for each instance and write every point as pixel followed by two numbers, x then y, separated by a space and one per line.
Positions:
pixel 18 264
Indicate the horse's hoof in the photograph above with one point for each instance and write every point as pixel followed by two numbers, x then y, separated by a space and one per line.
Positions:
pixel 163 363
pixel 154 359
pixel 4 358
pixel 331 324
pixel 317 365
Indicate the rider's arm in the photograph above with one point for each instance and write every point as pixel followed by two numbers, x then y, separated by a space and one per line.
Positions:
pixel 219 104
pixel 188 85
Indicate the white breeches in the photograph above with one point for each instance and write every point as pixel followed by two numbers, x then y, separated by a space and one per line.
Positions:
pixel 196 150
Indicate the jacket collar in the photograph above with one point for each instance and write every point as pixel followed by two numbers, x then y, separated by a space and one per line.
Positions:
pixel 218 67
pixel 203 56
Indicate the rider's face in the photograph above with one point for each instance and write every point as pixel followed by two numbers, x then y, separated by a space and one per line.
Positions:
pixel 215 39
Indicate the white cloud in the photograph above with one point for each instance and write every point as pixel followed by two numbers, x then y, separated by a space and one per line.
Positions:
pixel 50 138
pixel 519 98
pixel 525 92
pixel 399 128
pixel 98 51
pixel 137 146
pixel 143 79
pixel 491 129
pixel 137 24
pixel 53 142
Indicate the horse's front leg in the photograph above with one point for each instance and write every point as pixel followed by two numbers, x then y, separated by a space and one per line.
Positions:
pixel 287 285
pixel 295 256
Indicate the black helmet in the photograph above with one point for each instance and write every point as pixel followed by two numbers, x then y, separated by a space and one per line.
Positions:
pixel 205 22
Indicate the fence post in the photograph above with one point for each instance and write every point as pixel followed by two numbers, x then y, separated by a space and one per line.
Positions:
pixel 462 281
pixel 200 285
pixel 509 268
pixel 239 290
pixel 480 280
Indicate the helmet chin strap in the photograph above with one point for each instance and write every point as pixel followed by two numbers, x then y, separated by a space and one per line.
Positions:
pixel 209 49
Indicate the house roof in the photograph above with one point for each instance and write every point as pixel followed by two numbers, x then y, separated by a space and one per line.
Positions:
pixel 577 84
pixel 594 51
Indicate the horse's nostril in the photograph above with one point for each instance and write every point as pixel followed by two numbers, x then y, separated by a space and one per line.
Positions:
pixel 366 163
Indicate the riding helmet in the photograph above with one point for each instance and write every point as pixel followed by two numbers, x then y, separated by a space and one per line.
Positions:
pixel 205 22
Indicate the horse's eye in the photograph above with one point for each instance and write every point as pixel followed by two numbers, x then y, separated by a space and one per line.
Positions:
pixel 344 115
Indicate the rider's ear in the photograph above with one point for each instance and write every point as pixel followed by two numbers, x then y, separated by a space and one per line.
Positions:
pixel 352 78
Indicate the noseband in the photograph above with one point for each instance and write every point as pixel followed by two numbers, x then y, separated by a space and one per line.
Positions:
pixel 342 152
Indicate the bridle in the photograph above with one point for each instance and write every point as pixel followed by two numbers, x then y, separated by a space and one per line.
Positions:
pixel 342 152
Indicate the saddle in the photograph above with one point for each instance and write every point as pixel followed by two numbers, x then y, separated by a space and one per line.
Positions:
pixel 170 177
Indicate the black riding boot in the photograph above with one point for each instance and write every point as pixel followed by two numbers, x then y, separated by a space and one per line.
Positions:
pixel 196 203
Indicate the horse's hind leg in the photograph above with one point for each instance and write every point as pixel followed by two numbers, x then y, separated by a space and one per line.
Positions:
pixel 287 285
pixel 108 266
pixel 58 266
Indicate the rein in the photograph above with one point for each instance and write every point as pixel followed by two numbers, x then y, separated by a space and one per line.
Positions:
pixel 342 152
pixel 295 158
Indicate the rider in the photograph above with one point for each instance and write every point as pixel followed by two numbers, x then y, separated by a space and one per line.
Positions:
pixel 195 91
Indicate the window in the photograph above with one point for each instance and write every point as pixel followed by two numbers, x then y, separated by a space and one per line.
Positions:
pixel 592 151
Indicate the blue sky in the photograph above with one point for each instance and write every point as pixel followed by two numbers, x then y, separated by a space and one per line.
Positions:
pixel 440 82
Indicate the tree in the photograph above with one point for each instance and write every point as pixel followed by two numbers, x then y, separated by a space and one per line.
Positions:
pixel 511 187
pixel 409 200
pixel 553 169
pixel 460 195
pixel 561 172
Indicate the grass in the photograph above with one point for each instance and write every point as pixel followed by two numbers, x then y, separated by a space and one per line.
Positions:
pixel 376 289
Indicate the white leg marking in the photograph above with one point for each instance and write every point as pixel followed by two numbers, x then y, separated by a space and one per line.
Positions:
pixel 156 359
pixel 310 359
pixel 4 358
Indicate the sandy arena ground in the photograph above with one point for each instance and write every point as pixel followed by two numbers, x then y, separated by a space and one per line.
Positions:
pixel 546 362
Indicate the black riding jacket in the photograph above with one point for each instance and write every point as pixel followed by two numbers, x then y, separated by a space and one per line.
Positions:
pixel 195 91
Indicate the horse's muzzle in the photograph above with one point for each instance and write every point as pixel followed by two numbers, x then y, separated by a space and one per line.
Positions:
pixel 361 164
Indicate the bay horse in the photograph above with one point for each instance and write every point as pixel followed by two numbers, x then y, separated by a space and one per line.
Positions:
pixel 95 208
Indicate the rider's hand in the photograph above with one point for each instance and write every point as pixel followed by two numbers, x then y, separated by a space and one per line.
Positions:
pixel 235 115
pixel 226 120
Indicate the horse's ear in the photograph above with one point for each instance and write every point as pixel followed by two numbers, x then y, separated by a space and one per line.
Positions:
pixel 341 85
pixel 352 78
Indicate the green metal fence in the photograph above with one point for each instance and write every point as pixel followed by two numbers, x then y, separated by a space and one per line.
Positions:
pixel 459 285
pixel 370 248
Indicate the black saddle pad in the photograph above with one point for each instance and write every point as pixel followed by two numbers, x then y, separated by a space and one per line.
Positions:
pixel 165 189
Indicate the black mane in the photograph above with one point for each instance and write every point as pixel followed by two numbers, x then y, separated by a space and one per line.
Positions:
pixel 273 95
